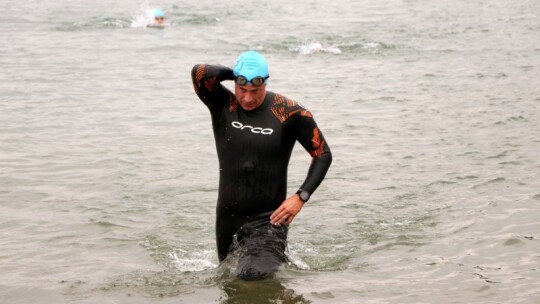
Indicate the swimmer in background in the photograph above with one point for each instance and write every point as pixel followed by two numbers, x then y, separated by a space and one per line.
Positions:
pixel 159 18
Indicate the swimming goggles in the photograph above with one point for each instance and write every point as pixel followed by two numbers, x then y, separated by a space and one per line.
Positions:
pixel 256 81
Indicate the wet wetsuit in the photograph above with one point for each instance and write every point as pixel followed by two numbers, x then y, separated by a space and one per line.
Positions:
pixel 254 148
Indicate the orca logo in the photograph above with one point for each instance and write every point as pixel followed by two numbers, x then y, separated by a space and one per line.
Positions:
pixel 257 130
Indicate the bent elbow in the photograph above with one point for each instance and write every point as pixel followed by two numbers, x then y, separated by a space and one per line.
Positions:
pixel 324 157
pixel 194 72
pixel 327 157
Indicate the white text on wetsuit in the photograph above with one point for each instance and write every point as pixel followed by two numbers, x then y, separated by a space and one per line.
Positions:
pixel 258 130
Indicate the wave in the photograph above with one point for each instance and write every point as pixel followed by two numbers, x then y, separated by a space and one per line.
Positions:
pixel 316 47
pixel 328 46
pixel 142 18
pixel 373 47
pixel 96 23
pixel 195 261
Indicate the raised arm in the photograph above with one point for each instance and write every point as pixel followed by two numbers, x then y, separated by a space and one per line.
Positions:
pixel 207 84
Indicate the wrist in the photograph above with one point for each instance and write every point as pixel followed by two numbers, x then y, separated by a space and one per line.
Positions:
pixel 303 195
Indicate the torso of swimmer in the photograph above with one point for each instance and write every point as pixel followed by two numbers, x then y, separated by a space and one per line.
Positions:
pixel 255 131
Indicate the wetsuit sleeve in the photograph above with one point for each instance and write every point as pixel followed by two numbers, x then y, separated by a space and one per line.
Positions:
pixel 312 139
pixel 207 84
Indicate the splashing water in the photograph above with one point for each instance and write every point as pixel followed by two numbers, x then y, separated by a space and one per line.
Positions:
pixel 144 17
pixel 316 47
pixel 197 261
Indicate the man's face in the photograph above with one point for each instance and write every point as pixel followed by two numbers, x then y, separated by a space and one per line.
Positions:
pixel 250 97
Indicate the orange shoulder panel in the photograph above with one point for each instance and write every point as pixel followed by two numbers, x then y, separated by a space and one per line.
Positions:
pixel 283 108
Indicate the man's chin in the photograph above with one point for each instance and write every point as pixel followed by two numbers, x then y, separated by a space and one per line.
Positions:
pixel 249 107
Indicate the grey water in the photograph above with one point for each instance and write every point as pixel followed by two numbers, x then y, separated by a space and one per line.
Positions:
pixel 108 170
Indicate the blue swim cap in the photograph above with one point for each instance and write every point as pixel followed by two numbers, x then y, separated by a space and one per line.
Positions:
pixel 250 65
pixel 158 12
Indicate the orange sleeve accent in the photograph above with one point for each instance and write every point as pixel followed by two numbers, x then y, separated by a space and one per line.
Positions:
pixel 200 72
pixel 306 113
pixel 283 108
pixel 233 103
pixel 318 145
pixel 198 76
pixel 210 83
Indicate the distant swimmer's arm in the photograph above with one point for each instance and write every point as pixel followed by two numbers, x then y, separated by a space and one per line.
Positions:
pixel 313 141
pixel 207 83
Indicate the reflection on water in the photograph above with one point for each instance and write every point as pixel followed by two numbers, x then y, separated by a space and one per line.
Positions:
pixel 140 286
pixel 265 291
pixel 269 290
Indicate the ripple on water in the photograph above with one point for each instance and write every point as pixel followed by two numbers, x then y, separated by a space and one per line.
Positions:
pixel 513 242
pixel 95 23
pixel 193 261
pixel 489 182
pixel 106 224
pixel 157 284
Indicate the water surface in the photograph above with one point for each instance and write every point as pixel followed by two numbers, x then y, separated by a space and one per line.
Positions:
pixel 108 170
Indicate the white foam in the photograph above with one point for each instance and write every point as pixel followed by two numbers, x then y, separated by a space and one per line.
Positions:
pixel 294 259
pixel 196 261
pixel 298 263
pixel 371 45
pixel 144 17
pixel 316 47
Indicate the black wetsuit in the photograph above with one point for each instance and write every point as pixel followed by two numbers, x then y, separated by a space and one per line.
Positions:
pixel 254 148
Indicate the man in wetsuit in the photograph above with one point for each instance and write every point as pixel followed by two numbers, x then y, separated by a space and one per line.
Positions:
pixel 255 131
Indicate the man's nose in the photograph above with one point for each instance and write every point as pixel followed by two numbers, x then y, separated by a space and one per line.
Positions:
pixel 248 96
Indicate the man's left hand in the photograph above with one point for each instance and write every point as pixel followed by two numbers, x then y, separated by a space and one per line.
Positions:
pixel 287 211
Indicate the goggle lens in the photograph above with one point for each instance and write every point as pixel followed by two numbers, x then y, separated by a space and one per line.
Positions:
pixel 257 81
